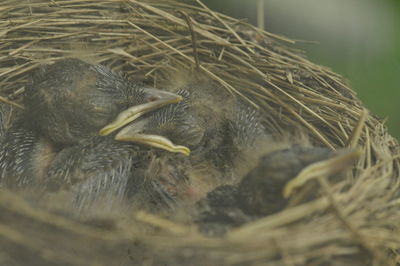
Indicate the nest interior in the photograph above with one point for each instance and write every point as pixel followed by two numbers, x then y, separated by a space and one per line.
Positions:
pixel 355 226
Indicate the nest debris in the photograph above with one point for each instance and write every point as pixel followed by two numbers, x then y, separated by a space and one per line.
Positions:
pixel 354 226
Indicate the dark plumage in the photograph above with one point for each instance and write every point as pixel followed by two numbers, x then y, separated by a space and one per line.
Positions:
pixel 98 173
pixel 71 100
pixel 67 103
pixel 107 171
pixel 218 135
pixel 260 191
pixel 24 155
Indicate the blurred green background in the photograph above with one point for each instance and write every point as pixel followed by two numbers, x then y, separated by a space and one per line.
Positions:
pixel 359 39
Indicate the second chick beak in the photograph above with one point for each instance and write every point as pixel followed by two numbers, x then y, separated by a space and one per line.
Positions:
pixel 155 99
pixel 134 133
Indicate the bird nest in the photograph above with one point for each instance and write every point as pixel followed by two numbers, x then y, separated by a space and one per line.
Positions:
pixel 352 222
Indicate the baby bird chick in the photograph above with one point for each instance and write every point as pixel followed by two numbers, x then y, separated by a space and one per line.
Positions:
pixel 71 100
pixel 217 135
pixel 67 103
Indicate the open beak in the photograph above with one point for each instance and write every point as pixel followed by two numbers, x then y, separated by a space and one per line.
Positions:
pixel 131 133
pixel 155 100
pixel 325 168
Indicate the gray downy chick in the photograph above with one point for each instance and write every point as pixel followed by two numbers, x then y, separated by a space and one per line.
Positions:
pixel 66 104
pixel 218 130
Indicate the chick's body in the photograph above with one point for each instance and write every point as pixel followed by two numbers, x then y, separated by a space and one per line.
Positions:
pixel 259 193
pixel 71 100
pixel 24 155
pixel 66 104
pixel 98 175
pixel 218 128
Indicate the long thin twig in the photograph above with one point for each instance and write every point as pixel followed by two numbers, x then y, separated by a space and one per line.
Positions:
pixel 194 39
